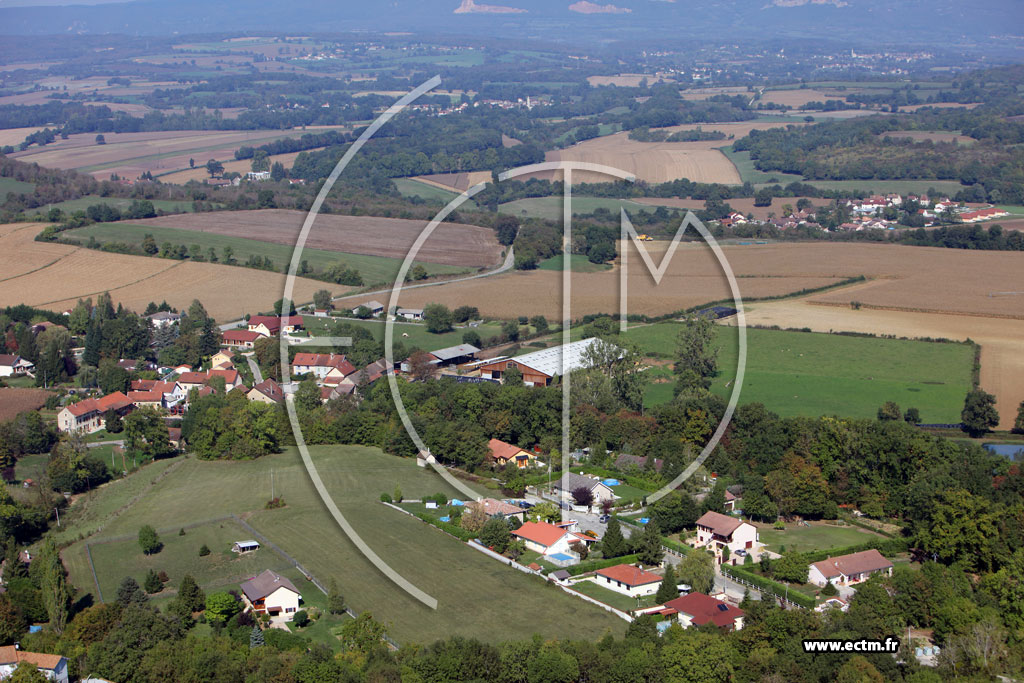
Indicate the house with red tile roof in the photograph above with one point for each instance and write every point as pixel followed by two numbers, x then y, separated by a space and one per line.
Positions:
pixel 328 368
pixel 716 532
pixel 846 570
pixel 88 415
pixel 54 667
pixel 155 394
pixel 197 380
pixel 628 579
pixel 499 508
pixel 271 325
pixel 240 339
pixel 697 609
pixel 501 454
pixel 544 538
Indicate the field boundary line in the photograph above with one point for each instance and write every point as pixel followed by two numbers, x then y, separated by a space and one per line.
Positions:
pixel 168 530
pixel 134 499
pixel 119 287
pixel 927 311
pixel 44 266
pixel 92 568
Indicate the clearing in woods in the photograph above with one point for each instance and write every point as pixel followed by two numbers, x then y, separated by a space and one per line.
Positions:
pixel 55 276
pixel 463 580
pixel 451 244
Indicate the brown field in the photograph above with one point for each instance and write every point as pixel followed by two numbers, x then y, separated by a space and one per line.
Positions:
pixel 455 182
pixel 62 274
pixel 506 141
pixel 14 401
pixel 743 205
pixel 907 278
pixel 652 162
pixel 627 80
pixel 1002 364
pixel 138 110
pixel 705 93
pixel 17 262
pixel 731 130
pixel 450 244
pixel 796 98
pixel 132 154
pixel 242 166
pixel 941 105
pixel 934 136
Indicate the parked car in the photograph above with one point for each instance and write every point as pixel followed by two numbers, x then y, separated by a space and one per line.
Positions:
pixel 741 552
pixel 526 505
pixel 684 588
pixel 603 519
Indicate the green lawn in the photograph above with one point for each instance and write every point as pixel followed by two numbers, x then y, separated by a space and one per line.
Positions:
pixel 8 185
pixel 477 596
pixel 578 263
pixel 82 203
pixel 414 188
pixel 417 333
pixel 801 373
pixel 745 165
pixel 550 208
pixel 612 598
pixel 374 269
pixel 801 538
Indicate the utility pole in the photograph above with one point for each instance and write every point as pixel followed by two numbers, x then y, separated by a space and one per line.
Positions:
pixel 58 515
pixel 271 483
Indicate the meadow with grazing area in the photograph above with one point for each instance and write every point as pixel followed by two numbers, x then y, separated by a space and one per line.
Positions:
pixel 798 538
pixel 801 373
pixel 373 269
pixel 1002 364
pixel 55 276
pixel 409 334
pixel 464 581
pixel 451 244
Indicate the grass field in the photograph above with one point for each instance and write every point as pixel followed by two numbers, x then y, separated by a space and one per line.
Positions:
pixel 8 185
pixel 815 537
pixel 613 598
pixel 800 373
pixel 430 193
pixel 417 333
pixel 374 269
pixel 550 208
pixel 578 263
pixel 82 203
pixel 476 595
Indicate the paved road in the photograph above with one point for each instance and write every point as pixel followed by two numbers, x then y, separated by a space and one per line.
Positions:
pixel 97 444
pixel 254 366
pixel 508 264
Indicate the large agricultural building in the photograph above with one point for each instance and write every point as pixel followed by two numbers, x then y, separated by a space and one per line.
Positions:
pixel 539 367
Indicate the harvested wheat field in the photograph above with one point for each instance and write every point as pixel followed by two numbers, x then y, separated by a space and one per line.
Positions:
pixel 1002 363
pixel 652 162
pixel 731 130
pixel 19 261
pixel 795 98
pixel 627 80
pixel 743 205
pixel 61 274
pixel 450 244
pixel 242 166
pixel 132 154
pixel 14 401
pixel 455 182
pixel 908 278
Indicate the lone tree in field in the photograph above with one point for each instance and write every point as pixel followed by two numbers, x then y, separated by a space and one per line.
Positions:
pixel 322 299
pixel 912 416
pixel 696 357
pixel 1018 424
pixel 438 318
pixel 669 589
pixel 979 414
pixel 889 411
pixel 214 168
pixel 149 541
pixel 583 496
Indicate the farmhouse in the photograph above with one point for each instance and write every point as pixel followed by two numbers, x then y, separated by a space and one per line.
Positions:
pixel 273 594
pixel 54 667
pixel 374 307
pixel 271 325
pixel 539 367
pixel 155 394
pixel 628 579
pixel 502 453
pixel 410 313
pixel 848 569
pixel 359 379
pixel 88 415
pixel 548 539
pixel 163 319
pixel 570 482
pixel 14 366
pixel 198 380
pixel 324 366
pixel 267 391
pixel 697 609
pixel 716 532
pixel 240 339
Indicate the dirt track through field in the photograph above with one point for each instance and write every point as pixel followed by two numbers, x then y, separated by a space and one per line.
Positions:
pixel 1001 340
pixel 450 244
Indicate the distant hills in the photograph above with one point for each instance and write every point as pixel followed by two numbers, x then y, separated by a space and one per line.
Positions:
pixel 860 21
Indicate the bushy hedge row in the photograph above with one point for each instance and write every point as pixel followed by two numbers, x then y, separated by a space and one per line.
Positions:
pixel 453 529
pixel 864 525
pixel 680 548
pixel 769 586
pixel 594 565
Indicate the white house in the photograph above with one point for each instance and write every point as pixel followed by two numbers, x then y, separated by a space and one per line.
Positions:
pixel 410 313
pixel 716 531
pixel 163 318
pixel 570 482
pixel 548 539
pixel 54 667
pixel 847 570
pixel 13 366
pixel 628 579
pixel 272 594
pixel 697 609
pixel 323 366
